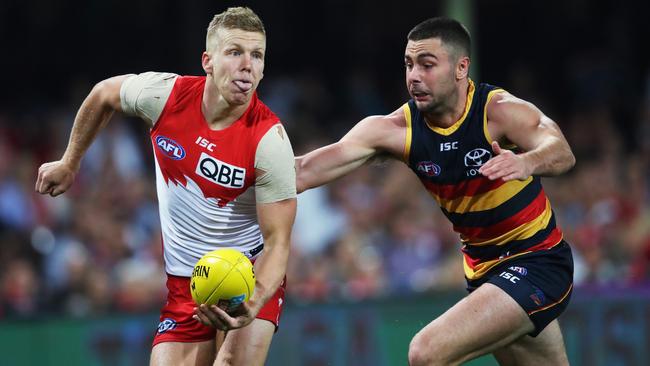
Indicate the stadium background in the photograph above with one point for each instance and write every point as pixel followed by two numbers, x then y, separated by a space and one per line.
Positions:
pixel 81 277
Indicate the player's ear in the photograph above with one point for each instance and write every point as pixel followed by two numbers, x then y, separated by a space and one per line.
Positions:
pixel 462 68
pixel 206 62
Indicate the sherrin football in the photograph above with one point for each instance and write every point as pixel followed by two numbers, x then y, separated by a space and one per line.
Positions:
pixel 223 276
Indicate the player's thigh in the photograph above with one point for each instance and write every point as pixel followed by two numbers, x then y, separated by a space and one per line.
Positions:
pixel 485 320
pixel 183 353
pixel 246 346
pixel 545 349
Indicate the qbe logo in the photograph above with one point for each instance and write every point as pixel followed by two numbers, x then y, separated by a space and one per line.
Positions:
pixel 170 148
pixel 218 172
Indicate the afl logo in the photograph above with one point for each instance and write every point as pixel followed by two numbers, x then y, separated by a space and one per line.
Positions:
pixel 429 168
pixel 170 148
pixel 477 157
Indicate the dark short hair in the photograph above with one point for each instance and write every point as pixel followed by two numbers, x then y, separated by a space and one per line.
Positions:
pixel 450 31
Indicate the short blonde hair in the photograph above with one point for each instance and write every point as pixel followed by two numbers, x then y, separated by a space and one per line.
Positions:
pixel 235 18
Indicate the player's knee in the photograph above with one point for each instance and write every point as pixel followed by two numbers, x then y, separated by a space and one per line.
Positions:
pixel 419 353
pixel 423 351
pixel 225 358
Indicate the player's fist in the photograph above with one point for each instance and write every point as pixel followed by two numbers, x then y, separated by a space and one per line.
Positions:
pixel 54 178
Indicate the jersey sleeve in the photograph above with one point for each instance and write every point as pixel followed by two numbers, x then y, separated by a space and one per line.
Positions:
pixel 274 162
pixel 145 95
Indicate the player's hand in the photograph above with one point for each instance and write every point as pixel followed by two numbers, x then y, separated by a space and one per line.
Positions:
pixel 54 178
pixel 221 319
pixel 505 165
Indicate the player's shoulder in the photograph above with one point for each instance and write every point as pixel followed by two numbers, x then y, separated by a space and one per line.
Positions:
pixel 503 104
pixel 185 90
pixel 395 119
pixel 150 79
pixel 382 132
pixel 260 114
pixel 189 81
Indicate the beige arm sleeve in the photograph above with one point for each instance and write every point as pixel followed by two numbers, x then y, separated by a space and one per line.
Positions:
pixel 145 95
pixel 274 162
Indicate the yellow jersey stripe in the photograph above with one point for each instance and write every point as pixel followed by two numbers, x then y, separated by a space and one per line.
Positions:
pixel 451 129
pixel 483 201
pixel 409 132
pixel 523 231
pixel 482 268
pixel 485 118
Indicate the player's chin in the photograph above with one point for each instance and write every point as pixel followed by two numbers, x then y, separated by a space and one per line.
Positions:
pixel 424 105
pixel 239 98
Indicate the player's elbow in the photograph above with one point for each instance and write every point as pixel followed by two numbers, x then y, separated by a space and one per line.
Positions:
pixel 107 92
pixel 301 184
pixel 568 161
pixel 302 181
pixel 571 160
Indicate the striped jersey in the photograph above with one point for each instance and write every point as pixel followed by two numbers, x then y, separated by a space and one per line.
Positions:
pixel 496 220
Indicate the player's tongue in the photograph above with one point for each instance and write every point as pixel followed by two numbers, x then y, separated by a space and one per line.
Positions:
pixel 243 86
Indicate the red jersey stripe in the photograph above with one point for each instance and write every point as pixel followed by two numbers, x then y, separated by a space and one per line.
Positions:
pixel 529 213
pixel 464 188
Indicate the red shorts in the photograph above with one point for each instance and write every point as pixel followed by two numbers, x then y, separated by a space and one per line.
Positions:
pixel 176 322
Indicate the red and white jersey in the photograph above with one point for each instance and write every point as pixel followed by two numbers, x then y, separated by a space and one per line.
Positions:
pixel 206 178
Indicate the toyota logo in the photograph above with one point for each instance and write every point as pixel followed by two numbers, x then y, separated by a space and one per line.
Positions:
pixel 477 157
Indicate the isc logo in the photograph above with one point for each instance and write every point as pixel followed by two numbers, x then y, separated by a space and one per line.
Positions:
pixel 201 141
pixel 170 148
pixel 509 276
pixel 218 172
pixel 448 146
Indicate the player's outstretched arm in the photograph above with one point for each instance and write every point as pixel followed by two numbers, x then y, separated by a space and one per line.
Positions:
pixel 333 161
pixel 546 151
pixel 56 177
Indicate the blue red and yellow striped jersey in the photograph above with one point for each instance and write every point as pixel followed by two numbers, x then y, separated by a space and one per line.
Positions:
pixel 496 220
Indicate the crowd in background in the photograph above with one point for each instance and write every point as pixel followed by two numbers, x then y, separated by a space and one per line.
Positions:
pixel 375 233
pixel 372 234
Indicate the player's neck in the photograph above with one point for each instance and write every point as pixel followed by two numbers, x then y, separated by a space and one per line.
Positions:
pixel 452 111
pixel 218 113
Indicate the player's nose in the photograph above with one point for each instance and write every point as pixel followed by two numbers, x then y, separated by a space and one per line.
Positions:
pixel 412 76
pixel 246 63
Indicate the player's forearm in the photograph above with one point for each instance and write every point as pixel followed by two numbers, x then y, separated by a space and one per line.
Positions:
pixel 554 157
pixel 270 269
pixel 91 117
pixel 324 165
pixel 94 113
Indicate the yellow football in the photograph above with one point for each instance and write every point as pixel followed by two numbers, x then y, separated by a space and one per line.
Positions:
pixel 222 276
